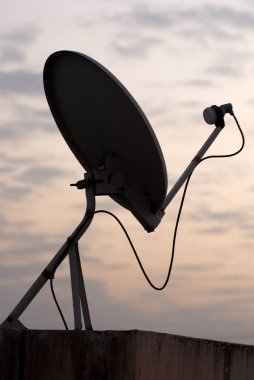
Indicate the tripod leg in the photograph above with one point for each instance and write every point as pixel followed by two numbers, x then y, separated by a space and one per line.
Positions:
pixel 74 271
pixel 82 293
pixel 12 320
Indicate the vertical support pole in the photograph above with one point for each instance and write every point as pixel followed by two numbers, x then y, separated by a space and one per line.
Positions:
pixel 75 287
pixel 82 294
pixel 78 290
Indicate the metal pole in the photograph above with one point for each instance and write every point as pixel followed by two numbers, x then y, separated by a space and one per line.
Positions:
pixel 12 319
pixel 82 294
pixel 75 287
pixel 191 167
pixel 78 291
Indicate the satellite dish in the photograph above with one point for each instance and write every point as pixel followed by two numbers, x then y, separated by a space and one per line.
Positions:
pixel 99 119
pixel 114 142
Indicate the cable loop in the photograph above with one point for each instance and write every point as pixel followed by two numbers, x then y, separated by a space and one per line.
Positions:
pixel 50 275
pixel 177 219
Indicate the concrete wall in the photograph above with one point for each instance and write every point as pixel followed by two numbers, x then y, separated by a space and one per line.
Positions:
pixel 119 355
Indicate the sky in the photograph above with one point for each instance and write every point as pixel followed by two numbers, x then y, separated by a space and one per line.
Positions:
pixel 175 58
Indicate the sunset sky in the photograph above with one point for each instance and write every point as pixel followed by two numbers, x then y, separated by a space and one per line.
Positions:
pixel 175 58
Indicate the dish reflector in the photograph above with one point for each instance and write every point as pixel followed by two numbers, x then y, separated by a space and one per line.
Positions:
pixel 99 118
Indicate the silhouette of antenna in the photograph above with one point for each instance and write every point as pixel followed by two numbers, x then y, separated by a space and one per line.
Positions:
pixel 114 142
pixel 108 133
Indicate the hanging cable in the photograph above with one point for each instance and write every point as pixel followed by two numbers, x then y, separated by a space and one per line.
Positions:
pixel 177 219
pixel 175 230
pixel 173 244
pixel 57 304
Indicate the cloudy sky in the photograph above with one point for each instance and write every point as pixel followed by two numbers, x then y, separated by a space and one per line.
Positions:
pixel 176 58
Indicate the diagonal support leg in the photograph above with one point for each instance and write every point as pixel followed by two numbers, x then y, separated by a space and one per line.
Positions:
pixel 12 321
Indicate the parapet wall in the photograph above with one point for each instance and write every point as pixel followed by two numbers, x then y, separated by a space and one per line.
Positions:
pixel 119 355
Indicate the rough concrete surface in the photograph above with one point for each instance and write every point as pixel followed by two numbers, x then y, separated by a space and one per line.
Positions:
pixel 119 355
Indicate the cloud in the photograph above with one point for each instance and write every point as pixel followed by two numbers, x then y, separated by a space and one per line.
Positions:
pixel 225 70
pixel 3 221
pixel 144 15
pixel 228 15
pixel 143 27
pixel 197 268
pixel 21 130
pixel 9 163
pixel 212 19
pixel 10 54
pixel 231 62
pixel 14 43
pixel 224 216
pixel 190 104
pixel 40 174
pixel 215 230
pixel 197 82
pixel 134 45
pixel 26 120
pixel 222 222
pixel 21 82
pixel 14 192
pixel 22 35
pixel 216 22
pixel 20 248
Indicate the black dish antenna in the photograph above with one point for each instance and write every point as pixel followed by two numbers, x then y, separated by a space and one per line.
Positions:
pixel 108 133
pixel 114 142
